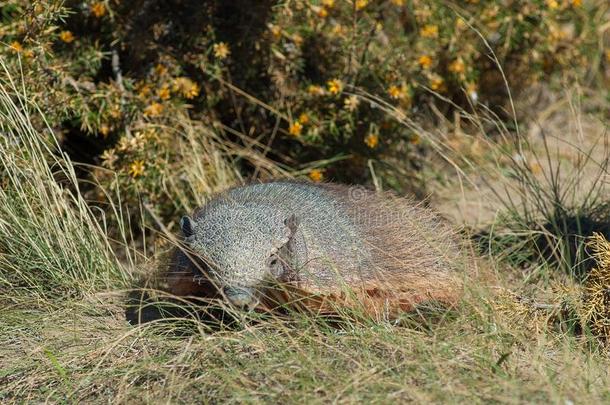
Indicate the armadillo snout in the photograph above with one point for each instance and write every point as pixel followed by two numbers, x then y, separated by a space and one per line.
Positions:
pixel 240 297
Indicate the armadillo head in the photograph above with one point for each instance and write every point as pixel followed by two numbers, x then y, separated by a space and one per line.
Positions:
pixel 244 248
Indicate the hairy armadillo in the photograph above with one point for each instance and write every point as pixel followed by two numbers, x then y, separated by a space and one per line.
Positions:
pixel 316 240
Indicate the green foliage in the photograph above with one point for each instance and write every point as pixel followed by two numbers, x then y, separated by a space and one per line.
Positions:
pixel 303 81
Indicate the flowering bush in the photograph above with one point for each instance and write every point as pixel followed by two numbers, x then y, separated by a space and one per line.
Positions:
pixel 328 56
pixel 307 82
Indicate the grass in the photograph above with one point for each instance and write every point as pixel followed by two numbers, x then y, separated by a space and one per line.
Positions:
pixel 64 337
pixel 83 350
pixel 547 217
pixel 51 243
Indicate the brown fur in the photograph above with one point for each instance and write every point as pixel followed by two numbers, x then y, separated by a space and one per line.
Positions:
pixel 377 299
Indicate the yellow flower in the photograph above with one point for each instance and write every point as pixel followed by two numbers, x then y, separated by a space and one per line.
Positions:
pixel 334 86
pixel 104 130
pixel 66 36
pixel 276 31
pixel 577 3
pixel 328 3
pixel 429 31
pixel 397 92
pixel 425 61
pixel 115 112
pixel 315 90
pixel 153 110
pixel 303 118
pixel 187 87
pixel 351 103
pixel 98 9
pixel 338 30
pixel 297 39
pixel 136 168
pixel 192 91
pixel 16 46
pixel 316 175
pixel 160 69
pixel 555 33
pixel 553 4
pixel 460 23
pixel 321 12
pixel 457 66
pixel 360 4
pixel 221 50
pixel 164 93
pixel 179 83
pixel 394 91
pixel 295 129
pixel 371 140
pixel 144 91
pixel 398 2
pixel 436 83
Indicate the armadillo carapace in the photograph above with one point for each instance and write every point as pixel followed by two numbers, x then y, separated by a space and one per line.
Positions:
pixel 317 244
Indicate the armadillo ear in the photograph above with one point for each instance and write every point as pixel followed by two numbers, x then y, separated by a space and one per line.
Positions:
pixel 187 225
pixel 291 225
pixel 288 233
pixel 291 254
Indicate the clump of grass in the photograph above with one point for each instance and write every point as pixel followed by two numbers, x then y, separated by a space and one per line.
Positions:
pixel 50 241
pixel 549 211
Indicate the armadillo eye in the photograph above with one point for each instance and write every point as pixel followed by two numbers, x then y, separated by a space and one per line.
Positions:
pixel 273 263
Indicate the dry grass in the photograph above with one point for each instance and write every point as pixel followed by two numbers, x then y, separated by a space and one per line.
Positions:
pixel 83 350
pixel 50 241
